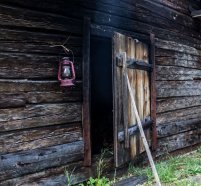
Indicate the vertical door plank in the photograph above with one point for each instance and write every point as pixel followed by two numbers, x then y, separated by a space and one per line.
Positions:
pixel 125 101
pixel 133 141
pixel 140 92
pixel 147 105
pixel 121 155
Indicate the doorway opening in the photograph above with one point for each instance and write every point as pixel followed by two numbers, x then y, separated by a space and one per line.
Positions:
pixel 101 94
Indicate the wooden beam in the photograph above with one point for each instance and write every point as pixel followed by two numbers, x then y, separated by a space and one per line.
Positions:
pixel 133 130
pixel 86 111
pixel 134 64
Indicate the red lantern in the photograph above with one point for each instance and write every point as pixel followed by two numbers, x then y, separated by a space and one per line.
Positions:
pixel 66 73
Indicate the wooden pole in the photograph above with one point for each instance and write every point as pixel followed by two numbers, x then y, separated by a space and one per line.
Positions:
pixel 153 92
pixel 86 108
pixel 142 131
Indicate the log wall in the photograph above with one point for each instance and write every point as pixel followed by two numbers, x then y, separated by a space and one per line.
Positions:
pixel 40 125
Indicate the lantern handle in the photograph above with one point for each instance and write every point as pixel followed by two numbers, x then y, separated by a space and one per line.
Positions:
pixel 72 55
pixel 66 50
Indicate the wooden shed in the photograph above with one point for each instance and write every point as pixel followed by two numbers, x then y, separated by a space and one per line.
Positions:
pixel 45 128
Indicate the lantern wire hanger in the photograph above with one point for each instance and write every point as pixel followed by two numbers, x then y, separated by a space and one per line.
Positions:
pixel 65 49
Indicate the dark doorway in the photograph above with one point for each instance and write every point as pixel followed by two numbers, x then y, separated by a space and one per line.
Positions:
pixel 101 94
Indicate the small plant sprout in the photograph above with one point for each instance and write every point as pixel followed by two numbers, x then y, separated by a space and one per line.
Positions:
pixel 69 177
pixel 101 164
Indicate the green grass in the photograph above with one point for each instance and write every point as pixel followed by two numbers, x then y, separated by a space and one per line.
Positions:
pixel 173 169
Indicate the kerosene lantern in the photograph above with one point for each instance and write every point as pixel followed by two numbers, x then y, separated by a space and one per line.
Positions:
pixel 66 73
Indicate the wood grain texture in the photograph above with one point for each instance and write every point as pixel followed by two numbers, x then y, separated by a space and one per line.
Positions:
pixel 176 103
pixel 22 163
pixel 14 16
pixel 39 115
pixel 178 127
pixel 120 154
pixel 132 77
pixel 178 88
pixel 177 73
pixel 45 137
pixel 33 66
pixel 178 141
pixel 179 115
pixel 51 176
pixel 129 48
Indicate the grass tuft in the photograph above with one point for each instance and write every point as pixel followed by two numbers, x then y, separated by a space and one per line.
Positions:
pixel 173 169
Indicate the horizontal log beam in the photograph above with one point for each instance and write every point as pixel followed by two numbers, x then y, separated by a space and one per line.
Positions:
pixel 133 130
pixel 177 73
pixel 176 103
pixel 39 115
pixel 23 140
pixel 134 64
pixel 174 116
pixel 33 66
pixel 51 176
pixel 27 162
pixel 178 88
pixel 178 141
pixel 20 17
pixel 24 85
pixel 177 127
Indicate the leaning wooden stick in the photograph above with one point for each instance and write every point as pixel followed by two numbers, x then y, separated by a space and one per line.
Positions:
pixel 141 130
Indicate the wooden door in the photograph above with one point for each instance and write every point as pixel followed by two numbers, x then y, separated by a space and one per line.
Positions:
pixel 127 141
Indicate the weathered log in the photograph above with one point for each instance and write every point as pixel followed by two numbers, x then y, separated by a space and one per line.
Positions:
pixel 179 115
pixel 22 163
pixel 175 46
pixel 180 6
pixel 178 141
pixel 52 176
pixel 56 176
pixel 168 19
pixel 177 73
pixel 160 52
pixel 37 138
pixel 103 20
pixel 50 39
pixel 12 100
pixel 24 85
pixel 178 59
pixel 178 88
pixel 172 128
pixel 171 104
pixel 39 115
pixel 32 66
pixel 12 16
